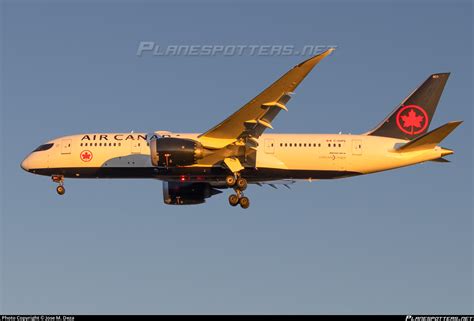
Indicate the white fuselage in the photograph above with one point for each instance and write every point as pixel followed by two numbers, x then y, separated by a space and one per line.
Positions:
pixel 278 156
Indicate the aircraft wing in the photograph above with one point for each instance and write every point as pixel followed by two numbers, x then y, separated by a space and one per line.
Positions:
pixel 253 118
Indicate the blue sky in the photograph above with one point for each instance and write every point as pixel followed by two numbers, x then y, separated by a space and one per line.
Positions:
pixel 393 242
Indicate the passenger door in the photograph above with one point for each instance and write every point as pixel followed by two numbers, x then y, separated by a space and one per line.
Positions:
pixel 269 146
pixel 136 146
pixel 66 146
pixel 356 147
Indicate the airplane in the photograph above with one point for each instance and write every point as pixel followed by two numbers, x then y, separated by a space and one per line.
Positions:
pixel 237 152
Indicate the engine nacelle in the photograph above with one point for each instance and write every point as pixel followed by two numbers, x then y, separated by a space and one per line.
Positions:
pixel 171 152
pixel 175 193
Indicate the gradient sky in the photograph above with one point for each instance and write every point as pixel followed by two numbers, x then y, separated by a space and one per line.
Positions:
pixel 393 242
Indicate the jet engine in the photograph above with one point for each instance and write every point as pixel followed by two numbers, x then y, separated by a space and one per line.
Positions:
pixel 171 151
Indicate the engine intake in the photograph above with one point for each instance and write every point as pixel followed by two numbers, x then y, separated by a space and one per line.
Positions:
pixel 171 152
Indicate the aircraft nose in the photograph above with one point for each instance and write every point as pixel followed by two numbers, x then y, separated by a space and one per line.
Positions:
pixel 25 164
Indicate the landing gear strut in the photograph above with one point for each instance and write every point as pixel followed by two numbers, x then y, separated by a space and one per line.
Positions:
pixel 239 184
pixel 60 180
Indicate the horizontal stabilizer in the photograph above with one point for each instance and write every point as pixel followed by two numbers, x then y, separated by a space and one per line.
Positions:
pixel 441 160
pixel 430 139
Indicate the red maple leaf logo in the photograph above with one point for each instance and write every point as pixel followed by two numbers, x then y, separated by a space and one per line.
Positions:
pixel 412 120
pixel 86 156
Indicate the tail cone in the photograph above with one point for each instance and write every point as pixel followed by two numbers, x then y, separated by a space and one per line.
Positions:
pixel 445 152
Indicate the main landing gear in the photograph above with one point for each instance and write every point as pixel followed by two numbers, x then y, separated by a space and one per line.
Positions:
pixel 60 180
pixel 239 184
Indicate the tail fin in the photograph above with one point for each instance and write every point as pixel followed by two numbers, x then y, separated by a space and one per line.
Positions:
pixel 431 139
pixel 413 116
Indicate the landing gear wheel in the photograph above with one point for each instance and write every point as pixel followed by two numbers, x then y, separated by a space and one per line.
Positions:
pixel 61 190
pixel 233 200
pixel 244 202
pixel 241 183
pixel 230 180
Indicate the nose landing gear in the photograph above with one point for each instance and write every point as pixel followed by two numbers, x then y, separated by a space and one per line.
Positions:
pixel 60 190
pixel 60 180
pixel 239 184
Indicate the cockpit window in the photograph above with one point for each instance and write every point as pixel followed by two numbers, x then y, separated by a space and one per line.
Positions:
pixel 44 147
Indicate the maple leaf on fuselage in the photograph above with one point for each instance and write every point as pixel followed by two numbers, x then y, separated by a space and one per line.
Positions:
pixel 412 120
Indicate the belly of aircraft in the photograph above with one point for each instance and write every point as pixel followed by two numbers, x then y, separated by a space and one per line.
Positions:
pixel 193 174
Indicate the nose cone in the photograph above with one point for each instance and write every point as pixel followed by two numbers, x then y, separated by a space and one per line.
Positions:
pixel 25 164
